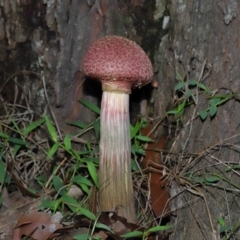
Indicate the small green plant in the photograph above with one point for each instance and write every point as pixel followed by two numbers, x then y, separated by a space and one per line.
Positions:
pixel 224 229
pixel 146 233
pixel 138 141
pixel 96 225
pixel 187 93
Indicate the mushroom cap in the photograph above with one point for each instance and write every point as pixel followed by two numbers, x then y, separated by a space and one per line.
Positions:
pixel 118 63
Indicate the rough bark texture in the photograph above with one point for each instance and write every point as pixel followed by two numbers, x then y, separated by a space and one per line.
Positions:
pixel 42 44
pixel 50 38
pixel 206 30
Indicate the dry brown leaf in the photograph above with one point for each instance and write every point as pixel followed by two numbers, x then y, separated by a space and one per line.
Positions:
pixel 15 205
pixel 38 225
pixel 158 188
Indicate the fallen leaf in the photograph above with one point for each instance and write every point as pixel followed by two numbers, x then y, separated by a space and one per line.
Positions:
pixel 158 188
pixel 37 225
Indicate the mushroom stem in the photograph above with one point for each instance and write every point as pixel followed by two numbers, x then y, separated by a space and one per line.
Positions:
pixel 115 176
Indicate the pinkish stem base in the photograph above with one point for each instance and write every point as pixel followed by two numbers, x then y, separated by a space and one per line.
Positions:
pixel 115 176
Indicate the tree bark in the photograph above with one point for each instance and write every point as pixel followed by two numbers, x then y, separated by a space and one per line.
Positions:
pixel 42 44
pixel 203 41
pixel 47 39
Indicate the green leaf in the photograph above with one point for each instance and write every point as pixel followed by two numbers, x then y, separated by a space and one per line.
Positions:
pixel 135 129
pixel 57 183
pixel 174 111
pixel 221 221
pixel 96 127
pixel 212 179
pixel 82 180
pixel 8 178
pixel 204 88
pixel 76 155
pixel 84 152
pixel 32 190
pixel 189 93
pixel 140 151
pixel 1 199
pixel 134 166
pixel 179 77
pixel 213 110
pixel 214 101
pixel 77 124
pixel 53 150
pixel 159 228
pixel 87 213
pixel 14 124
pixel 2 172
pixel 91 159
pixel 41 179
pixel 233 167
pixel 51 129
pixel 144 138
pixel 17 141
pixel 16 149
pixel 4 135
pixel 93 172
pixel 70 202
pixel 192 83
pixel 203 114
pixel 85 188
pixel 46 203
pixel 132 234
pixel 33 126
pixel 67 143
pixel 133 150
pixel 179 86
pixel 90 106
pixel 84 236
pixel 103 226
pixel 181 106
pixel 225 229
pixel 199 179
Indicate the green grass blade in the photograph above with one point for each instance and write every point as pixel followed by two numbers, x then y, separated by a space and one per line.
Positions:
pixel 78 179
pixel 4 135
pixel 51 129
pixel 33 126
pixel 87 213
pixel 2 172
pixel 132 234
pixel 53 150
pixel 17 141
pixel 77 124
pixel 144 138
pixel 159 228
pixel 67 143
pixel 93 172
pixel 90 106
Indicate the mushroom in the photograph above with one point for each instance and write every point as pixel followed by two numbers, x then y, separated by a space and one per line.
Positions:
pixel 119 64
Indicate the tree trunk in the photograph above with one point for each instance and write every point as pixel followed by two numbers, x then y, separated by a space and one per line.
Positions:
pixel 203 45
pixel 42 44
pixel 45 41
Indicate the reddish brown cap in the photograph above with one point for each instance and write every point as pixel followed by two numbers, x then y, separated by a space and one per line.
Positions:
pixel 118 63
